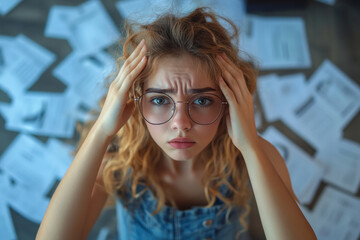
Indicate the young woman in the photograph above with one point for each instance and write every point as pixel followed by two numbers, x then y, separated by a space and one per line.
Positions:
pixel 180 111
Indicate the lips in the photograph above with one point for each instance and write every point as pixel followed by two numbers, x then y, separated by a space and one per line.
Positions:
pixel 181 143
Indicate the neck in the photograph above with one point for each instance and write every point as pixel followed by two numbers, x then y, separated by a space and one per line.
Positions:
pixel 180 168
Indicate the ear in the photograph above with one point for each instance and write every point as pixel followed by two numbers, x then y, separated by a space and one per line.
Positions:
pixel 279 164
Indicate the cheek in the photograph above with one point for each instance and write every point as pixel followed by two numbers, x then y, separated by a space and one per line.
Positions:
pixel 156 132
pixel 209 132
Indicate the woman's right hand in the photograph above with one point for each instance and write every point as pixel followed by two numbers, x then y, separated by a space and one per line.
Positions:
pixel 117 109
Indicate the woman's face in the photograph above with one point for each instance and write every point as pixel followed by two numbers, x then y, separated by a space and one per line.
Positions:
pixel 181 77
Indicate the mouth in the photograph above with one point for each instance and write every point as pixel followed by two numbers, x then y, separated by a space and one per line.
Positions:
pixel 181 143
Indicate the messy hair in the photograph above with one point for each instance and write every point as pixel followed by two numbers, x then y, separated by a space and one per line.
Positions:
pixel 200 35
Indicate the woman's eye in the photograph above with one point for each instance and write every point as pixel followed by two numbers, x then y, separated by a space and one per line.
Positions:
pixel 203 101
pixel 159 100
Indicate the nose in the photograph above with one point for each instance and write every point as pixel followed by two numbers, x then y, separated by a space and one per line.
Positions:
pixel 181 119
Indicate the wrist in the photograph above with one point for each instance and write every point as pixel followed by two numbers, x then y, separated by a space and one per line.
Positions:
pixel 99 132
pixel 252 151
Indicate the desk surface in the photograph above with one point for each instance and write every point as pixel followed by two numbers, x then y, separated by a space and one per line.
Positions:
pixel 332 31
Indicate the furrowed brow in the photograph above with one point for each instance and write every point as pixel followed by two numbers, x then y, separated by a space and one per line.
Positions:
pixel 190 91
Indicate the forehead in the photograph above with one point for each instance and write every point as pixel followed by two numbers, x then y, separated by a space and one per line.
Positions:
pixel 183 71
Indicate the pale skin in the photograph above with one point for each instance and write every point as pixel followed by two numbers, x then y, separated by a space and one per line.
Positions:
pixel 80 197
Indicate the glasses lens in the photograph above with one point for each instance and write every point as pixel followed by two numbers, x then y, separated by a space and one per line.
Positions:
pixel 156 108
pixel 205 108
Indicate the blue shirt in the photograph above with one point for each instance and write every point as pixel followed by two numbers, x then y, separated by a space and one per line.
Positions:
pixel 136 222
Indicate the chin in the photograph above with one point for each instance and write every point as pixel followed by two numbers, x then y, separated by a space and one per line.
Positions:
pixel 180 156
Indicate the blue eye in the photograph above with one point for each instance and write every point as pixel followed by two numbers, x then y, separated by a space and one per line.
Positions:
pixel 203 101
pixel 159 101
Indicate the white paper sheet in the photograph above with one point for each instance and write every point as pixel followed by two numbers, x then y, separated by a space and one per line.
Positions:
pixel 30 204
pixel 231 9
pixel 337 90
pixel 85 75
pixel 88 27
pixel 42 113
pixel 305 173
pixel 28 161
pixel 145 11
pixel 10 84
pixel 315 122
pixel 103 233
pixel 7 5
pixel 342 161
pixel 61 155
pixel 57 25
pixel 25 60
pixel 141 11
pixel 276 42
pixel 268 91
pixel 93 29
pixel 336 216
pixel 7 230
pixel 279 95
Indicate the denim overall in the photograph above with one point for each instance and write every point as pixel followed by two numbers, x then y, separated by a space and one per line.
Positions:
pixel 135 222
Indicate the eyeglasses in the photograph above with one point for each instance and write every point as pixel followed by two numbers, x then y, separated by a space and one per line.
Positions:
pixel 158 108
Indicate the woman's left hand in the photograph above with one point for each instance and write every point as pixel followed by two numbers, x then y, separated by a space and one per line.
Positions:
pixel 240 119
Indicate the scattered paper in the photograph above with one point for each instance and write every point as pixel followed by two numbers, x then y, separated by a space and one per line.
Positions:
pixel 28 162
pixel 276 42
pixel 337 90
pixel 7 5
pixel 30 204
pixel 103 233
pixel 88 27
pixel 305 173
pixel 41 113
pixel 61 155
pixel 141 11
pixel 25 61
pixel 315 122
pixel 146 11
pixel 336 216
pixel 6 227
pixel 85 75
pixel 57 25
pixel 279 95
pixel 341 159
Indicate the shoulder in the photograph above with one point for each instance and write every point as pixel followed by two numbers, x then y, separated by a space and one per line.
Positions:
pixel 278 162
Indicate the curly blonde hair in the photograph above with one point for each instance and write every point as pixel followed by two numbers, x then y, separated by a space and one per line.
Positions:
pixel 202 36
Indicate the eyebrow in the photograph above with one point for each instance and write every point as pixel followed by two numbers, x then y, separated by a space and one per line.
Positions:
pixel 190 91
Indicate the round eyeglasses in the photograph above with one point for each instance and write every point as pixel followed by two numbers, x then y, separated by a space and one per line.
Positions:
pixel 158 108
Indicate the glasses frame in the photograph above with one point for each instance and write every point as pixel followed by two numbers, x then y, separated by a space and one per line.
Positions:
pixel 138 99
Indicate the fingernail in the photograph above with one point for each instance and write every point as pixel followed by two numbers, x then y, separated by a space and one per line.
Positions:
pixel 142 42
pixel 143 59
